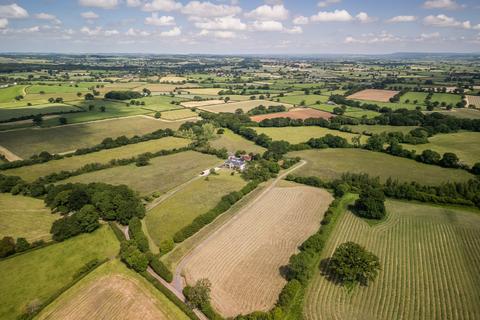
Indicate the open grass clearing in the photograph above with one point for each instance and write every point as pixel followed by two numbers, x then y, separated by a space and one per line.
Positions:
pixel 13 113
pixel 303 134
pixel 8 94
pixel 428 255
pixel 234 142
pixel 36 275
pixel 55 88
pixel 194 199
pixel 466 145
pixel 112 291
pixel 412 96
pixel 178 114
pixel 448 98
pixel 203 103
pixel 31 173
pixel 462 113
pixel 25 217
pixel 244 105
pixel 332 163
pixel 373 95
pixel 307 100
pixel 294 113
pixel 243 258
pixel 162 174
pixel 26 142
pixel 350 111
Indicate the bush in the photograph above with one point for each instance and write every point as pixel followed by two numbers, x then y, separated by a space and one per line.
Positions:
pixel 371 203
pixel 135 231
pixel 123 95
pixel 161 269
pixel 132 256
pixel 166 246
pixel 7 247
pixel 142 160
pixel 22 245
pixel 198 295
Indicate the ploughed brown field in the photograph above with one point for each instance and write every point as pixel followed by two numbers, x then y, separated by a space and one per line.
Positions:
pixel 373 95
pixel 296 113
pixel 243 259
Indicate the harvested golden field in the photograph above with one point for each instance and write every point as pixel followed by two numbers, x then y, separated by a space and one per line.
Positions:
pixel 178 114
pixel 244 105
pixel 373 95
pixel 112 292
pixel 243 258
pixel 198 104
pixel 172 79
pixel 475 100
pixel 429 257
pixel 208 91
pixel 297 113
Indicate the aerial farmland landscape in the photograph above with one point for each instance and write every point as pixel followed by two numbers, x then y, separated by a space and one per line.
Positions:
pixel 239 159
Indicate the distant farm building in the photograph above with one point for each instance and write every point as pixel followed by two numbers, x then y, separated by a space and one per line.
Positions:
pixel 237 163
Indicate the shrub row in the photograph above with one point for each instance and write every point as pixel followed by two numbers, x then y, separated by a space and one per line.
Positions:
pixel 107 143
pixel 202 220
pixel 136 233
pixel 43 114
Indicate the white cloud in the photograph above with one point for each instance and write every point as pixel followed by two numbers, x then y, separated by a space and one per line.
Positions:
pixel 225 23
pixel 155 20
pixel 89 15
pixel 294 30
pixel 266 12
pixel 428 36
pixel 326 3
pixel 332 16
pixel 402 19
pixel 104 4
pixel 300 20
pixel 136 33
pixel 3 23
pixel 269 25
pixel 91 32
pixel 162 5
pixel 111 32
pixel 171 33
pixel 48 17
pixel 208 9
pixel 219 34
pixel 363 17
pixel 134 3
pixel 441 4
pixel 12 11
pixel 442 20
pixel 373 38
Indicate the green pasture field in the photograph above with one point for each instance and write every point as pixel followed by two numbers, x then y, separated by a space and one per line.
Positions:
pixel 8 94
pixel 412 96
pixel 310 99
pixel 394 105
pixel 350 111
pixel 462 113
pixel 25 217
pixel 160 103
pixel 162 174
pixel 10 113
pixel 55 88
pixel 448 98
pixel 236 97
pixel 233 142
pixel 31 173
pixel 331 163
pixel 303 134
pixel 466 145
pixel 26 142
pixel 178 114
pixel 194 199
pixel 429 266
pixel 36 275
pixel 377 129
pixel 111 270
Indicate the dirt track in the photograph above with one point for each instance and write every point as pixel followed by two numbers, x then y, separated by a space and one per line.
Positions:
pixel 9 155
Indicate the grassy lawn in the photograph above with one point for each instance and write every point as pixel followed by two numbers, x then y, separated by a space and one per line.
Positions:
pixel 466 145
pixel 194 199
pixel 9 94
pixel 233 142
pixel 160 103
pixel 377 129
pixel 31 173
pixel 429 266
pixel 25 217
pixel 309 99
pixel 331 163
pixel 108 303
pixel 412 96
pixel 11 113
pixel 36 275
pixel 448 98
pixel 27 142
pixel 303 134
pixel 162 174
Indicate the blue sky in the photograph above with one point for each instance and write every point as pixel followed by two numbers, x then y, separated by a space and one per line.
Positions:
pixel 239 26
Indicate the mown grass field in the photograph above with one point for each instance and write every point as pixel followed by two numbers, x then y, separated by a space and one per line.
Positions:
pixel 9 94
pixel 160 103
pixel 112 291
pixel 448 98
pixel 466 145
pixel 429 257
pixel 27 142
pixel 25 217
pixel 13 113
pixel 309 99
pixel 303 134
pixel 244 105
pixel 162 174
pixel 194 199
pixel 178 114
pixel 233 142
pixel 412 96
pixel 31 173
pixel 35 276
pixel 331 163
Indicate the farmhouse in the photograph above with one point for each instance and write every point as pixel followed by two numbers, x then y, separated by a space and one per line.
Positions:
pixel 238 163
